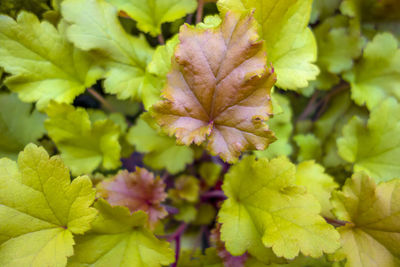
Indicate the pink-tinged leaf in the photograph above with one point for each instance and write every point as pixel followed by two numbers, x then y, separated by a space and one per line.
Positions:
pixel 137 190
pixel 218 90
pixel 228 259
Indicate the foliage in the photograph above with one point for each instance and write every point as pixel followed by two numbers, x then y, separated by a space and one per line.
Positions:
pixel 229 133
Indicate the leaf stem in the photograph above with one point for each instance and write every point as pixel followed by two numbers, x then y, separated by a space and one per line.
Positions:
pixel 161 40
pixel 335 222
pixel 200 10
pixel 310 107
pixel 101 99
pixel 214 194
pixel 334 91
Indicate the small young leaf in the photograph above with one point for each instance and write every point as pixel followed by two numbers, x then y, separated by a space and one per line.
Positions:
pixel 138 190
pixel 43 64
pixel 372 236
pixel 150 14
pixel 218 90
pixel 40 209
pixel 265 208
pixel 84 145
pixel 119 238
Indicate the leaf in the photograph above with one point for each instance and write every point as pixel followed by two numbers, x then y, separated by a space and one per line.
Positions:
pixel 228 259
pixel 372 236
pixel 161 62
pixel 329 126
pixel 281 125
pixel 374 147
pixel 271 211
pixel 20 129
pixel 40 209
pixel 151 14
pixel 161 151
pixel 377 76
pixel 42 64
pixel 309 147
pixel 210 173
pixel 318 183
pixel 187 188
pixel 322 9
pixel 13 7
pixel 84 145
pixel 290 44
pixel 124 241
pixel 137 190
pixel 95 27
pixel 217 92
pixel 338 45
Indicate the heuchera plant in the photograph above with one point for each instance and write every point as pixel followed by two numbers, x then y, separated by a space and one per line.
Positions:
pixel 230 133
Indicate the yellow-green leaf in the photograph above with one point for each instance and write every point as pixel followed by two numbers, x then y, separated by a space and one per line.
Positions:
pixel 372 235
pixel 266 209
pixel 290 44
pixel 40 210
pixel 84 145
pixel 119 238
pixel 43 64
pixel 151 14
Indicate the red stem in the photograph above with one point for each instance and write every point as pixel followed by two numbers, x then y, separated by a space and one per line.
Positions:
pixel 101 99
pixel 214 194
pixel 200 9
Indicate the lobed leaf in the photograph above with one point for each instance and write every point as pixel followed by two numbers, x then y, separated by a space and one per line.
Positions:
pixel 94 27
pixel 138 190
pixel 84 145
pixel 151 14
pixel 40 209
pixel 372 235
pixel 217 92
pixel 124 240
pixel 375 147
pixel 268 210
pixel 20 129
pixel 43 65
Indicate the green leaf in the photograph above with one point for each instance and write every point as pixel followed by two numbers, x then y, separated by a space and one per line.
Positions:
pixel 210 172
pixel 161 151
pixel 119 238
pixel 323 9
pixel 84 145
pixel 43 64
pixel 290 44
pixel 281 125
pixel 309 147
pixel 318 183
pixel 13 7
pixel 372 236
pixel 20 129
pixel 270 210
pixel 161 62
pixel 374 147
pixel 186 188
pixel 40 209
pixel 95 27
pixel 338 45
pixel 377 75
pixel 329 126
pixel 150 14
